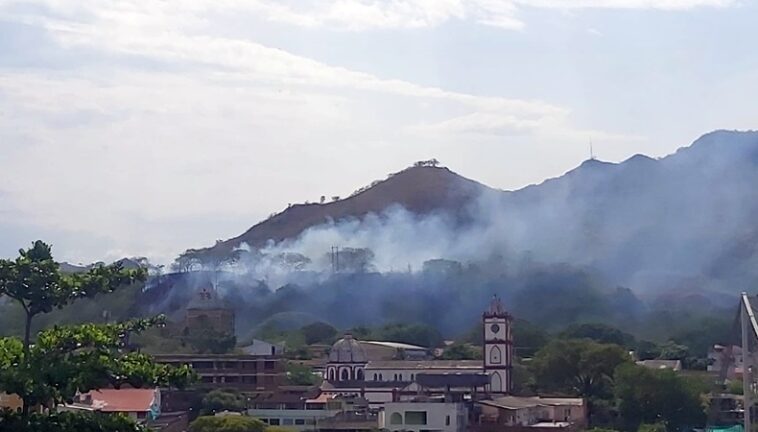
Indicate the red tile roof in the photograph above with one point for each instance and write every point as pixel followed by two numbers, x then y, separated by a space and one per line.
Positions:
pixel 122 400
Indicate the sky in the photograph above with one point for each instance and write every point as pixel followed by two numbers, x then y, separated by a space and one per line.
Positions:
pixel 146 127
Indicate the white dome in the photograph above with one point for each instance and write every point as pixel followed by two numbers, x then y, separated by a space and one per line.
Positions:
pixel 347 350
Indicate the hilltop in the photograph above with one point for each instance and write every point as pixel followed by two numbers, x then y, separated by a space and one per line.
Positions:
pixel 419 189
pixel 680 222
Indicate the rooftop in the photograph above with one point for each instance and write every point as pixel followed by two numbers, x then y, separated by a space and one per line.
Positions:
pixel 518 402
pixel 121 400
pixel 396 345
pixel 425 364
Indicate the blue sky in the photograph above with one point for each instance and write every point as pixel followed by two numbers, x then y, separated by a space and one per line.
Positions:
pixel 144 127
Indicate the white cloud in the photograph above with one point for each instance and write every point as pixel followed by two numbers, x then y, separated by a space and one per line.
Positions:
pixel 356 15
pixel 154 160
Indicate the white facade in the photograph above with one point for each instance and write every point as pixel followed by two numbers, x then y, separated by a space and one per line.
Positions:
pixel 418 416
pixel 498 347
pixel 295 419
pixel 262 348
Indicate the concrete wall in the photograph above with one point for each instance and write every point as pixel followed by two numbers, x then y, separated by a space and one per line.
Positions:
pixel 408 375
pixel 439 416
pixel 298 420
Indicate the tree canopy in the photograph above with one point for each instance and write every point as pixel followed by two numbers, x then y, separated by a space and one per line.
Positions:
pixel 227 423
pixel 223 400
pixel 65 360
pixel 651 396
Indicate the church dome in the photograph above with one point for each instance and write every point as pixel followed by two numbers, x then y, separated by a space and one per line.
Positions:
pixel 347 350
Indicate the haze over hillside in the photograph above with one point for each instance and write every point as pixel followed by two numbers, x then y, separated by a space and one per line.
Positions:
pixel 685 221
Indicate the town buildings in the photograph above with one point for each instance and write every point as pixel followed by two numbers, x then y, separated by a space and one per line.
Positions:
pixel 241 371
pixel 352 371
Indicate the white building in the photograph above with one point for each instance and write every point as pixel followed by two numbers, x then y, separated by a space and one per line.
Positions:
pixel 351 372
pixel 420 416
pixel 262 348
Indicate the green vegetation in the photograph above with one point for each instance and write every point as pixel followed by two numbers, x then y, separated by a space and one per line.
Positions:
pixel 318 332
pixel 203 338
pixel 580 367
pixel 67 359
pixel 415 334
pixel 461 351
pixel 298 374
pixel 651 396
pixel 227 423
pixel 223 400
pixel 620 394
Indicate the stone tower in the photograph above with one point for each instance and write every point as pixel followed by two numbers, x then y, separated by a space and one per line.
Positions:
pixel 207 310
pixel 498 347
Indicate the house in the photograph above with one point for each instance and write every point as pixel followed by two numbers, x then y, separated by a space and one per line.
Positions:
pixel 515 412
pixel 10 401
pixel 141 405
pixel 674 365
pixel 423 415
pixel 303 408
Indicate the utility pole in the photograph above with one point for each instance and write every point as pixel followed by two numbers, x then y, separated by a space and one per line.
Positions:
pixel 747 321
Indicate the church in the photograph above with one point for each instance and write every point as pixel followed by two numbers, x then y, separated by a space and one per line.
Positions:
pixel 351 372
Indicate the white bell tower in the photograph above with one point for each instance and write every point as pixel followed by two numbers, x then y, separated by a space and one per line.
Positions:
pixel 498 347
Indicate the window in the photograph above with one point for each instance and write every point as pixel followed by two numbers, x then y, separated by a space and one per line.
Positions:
pixel 299 422
pixel 375 377
pixel 344 375
pixel 274 422
pixel 359 374
pixel 415 417
pixel 447 420
pixel 495 355
pixel 396 419
pixel 381 378
pixel 287 422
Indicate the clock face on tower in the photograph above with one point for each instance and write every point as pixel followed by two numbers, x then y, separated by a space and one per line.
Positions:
pixel 495 328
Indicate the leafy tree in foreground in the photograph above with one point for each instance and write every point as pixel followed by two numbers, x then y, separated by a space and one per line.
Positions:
pixel 229 423
pixel 67 359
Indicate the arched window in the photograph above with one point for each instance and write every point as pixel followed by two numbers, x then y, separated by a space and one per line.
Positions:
pixel 331 375
pixel 496 383
pixel 359 375
pixel 496 356
pixel 344 375
pixel 376 377
pixel 396 419
pixel 381 378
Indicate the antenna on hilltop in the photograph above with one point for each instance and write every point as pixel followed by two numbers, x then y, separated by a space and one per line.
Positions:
pixel 592 153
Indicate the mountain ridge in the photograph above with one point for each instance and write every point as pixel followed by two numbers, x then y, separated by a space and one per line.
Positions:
pixel 641 221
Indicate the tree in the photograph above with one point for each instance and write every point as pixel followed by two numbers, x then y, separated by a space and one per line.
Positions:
pixel 459 351
pixel 597 332
pixel 580 367
pixel 414 334
pixel 652 396
pixel 299 374
pixel 655 427
pixel 67 359
pixel 203 338
pixel 35 282
pixel 223 400
pixel 318 332
pixel 228 423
